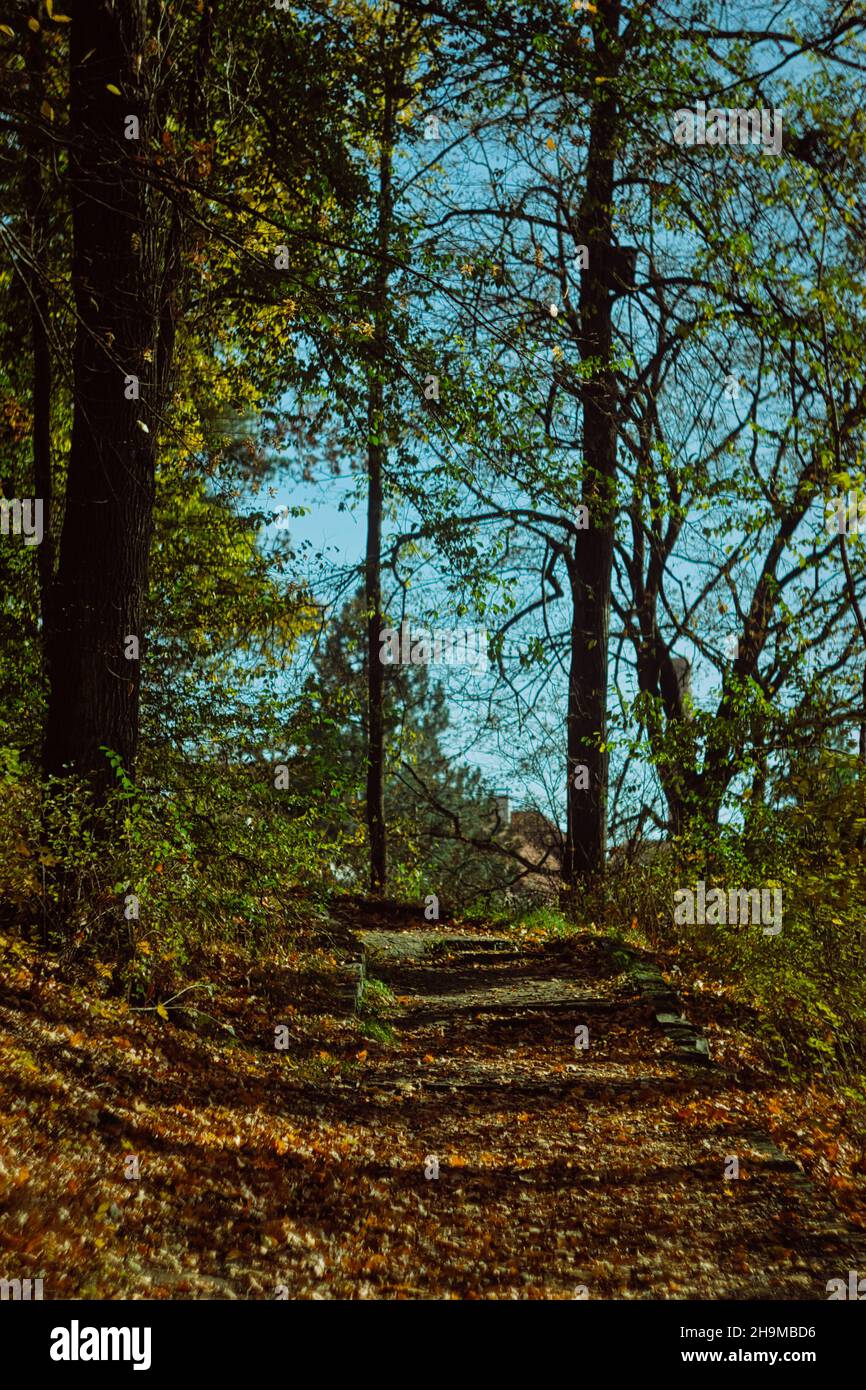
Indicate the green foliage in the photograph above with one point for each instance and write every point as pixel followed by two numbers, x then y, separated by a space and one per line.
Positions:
pixel 803 991
pixel 376 1008
pixel 524 919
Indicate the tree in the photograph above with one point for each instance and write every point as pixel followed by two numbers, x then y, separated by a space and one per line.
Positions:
pixel 428 789
pixel 121 370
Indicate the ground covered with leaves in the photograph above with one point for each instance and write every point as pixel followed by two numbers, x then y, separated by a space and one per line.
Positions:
pixel 453 1139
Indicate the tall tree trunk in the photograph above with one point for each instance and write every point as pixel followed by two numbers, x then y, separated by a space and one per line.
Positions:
pixel 376 461
pixel 375 668
pixel 592 561
pixel 36 198
pixel 104 547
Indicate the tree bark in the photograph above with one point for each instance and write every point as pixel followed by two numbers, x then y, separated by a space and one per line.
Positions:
pixel 38 216
pixel 102 574
pixel 376 461
pixel 375 668
pixel 591 564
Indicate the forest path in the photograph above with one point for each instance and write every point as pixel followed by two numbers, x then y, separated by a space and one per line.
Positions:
pixel 307 1170
pixel 595 1173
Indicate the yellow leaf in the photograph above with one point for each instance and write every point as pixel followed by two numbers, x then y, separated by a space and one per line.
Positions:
pixel 115 91
pixel 46 111
pixel 4 29
pixel 58 18
pixel 162 1011
pixel 34 25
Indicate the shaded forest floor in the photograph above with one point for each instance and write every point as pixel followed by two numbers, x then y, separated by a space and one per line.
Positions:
pixel 309 1171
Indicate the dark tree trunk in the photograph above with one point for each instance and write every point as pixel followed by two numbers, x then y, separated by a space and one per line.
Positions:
pixel 102 575
pixel 592 561
pixel 376 460
pixel 38 215
pixel 375 668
